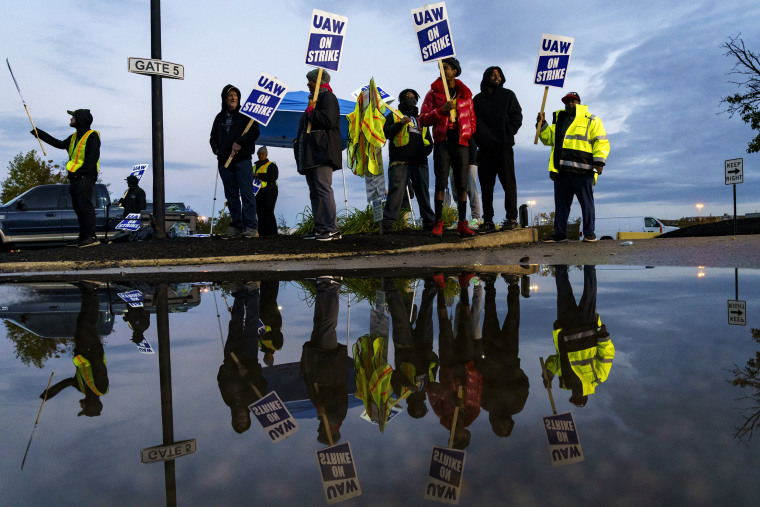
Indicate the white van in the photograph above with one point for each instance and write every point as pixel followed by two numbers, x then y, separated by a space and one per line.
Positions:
pixel 629 228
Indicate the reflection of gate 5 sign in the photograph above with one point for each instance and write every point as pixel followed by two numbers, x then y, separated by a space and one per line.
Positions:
pixel 553 58
pixel 264 99
pixel 325 40
pixel 433 33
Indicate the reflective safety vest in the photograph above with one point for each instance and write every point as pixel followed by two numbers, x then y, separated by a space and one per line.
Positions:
pixel 402 138
pixel 76 152
pixel 84 373
pixel 262 170
pixel 584 144
pixel 373 378
pixel 592 364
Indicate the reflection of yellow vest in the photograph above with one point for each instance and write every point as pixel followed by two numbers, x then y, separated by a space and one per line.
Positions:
pixel 402 138
pixel 262 170
pixel 84 373
pixel 76 152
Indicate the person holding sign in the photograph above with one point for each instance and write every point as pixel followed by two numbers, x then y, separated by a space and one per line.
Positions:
pixel 451 139
pixel 134 198
pixel 579 152
pixel 267 173
pixel 228 137
pixel 499 118
pixel 318 153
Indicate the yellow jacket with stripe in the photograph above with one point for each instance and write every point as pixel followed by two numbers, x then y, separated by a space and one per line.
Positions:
pixel 584 144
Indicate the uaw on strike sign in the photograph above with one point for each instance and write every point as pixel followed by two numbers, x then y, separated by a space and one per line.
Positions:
pixel 553 59
pixel 433 33
pixel 264 99
pixel 326 34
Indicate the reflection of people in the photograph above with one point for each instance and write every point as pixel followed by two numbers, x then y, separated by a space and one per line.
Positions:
pixel 324 362
pixel 82 168
pixel 270 337
pixel 457 368
pixel 91 377
pixel 584 348
pixel 138 319
pixel 579 152
pixel 134 199
pixel 416 363
pixel 236 378
pixel 505 385
pixel 227 138
pixel 266 171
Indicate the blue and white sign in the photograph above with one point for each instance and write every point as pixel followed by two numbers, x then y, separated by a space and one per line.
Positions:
pixel 326 34
pixel 383 94
pixel 444 482
pixel 264 99
pixel 144 347
pixel 339 480
pixel 562 435
pixel 553 59
pixel 256 186
pixel 433 32
pixel 134 298
pixel 395 410
pixel 131 223
pixel 271 413
pixel 138 171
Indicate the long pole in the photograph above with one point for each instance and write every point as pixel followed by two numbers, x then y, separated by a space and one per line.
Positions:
pixel 734 185
pixel 29 444
pixel 27 109
pixel 157 108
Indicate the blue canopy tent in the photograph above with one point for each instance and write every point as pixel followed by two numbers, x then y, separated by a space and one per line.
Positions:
pixel 283 127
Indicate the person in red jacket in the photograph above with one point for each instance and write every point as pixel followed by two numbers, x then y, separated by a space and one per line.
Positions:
pixel 450 140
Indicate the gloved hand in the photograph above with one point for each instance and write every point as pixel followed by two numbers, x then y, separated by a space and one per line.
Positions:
pixel 552 175
pixel 599 169
pixel 33 133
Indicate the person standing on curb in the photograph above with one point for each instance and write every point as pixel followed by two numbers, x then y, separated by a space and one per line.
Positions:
pixel 579 152
pixel 451 140
pixel 228 137
pixel 267 173
pixel 84 163
pixel 499 118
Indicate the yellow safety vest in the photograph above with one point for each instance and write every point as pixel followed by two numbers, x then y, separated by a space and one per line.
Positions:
pixel 262 170
pixel 76 152
pixel 84 373
pixel 402 138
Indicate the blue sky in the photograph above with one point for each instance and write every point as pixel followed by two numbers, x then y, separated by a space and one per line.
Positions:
pixel 653 71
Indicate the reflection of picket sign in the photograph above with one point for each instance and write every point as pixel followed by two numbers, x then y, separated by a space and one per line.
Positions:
pixel 326 33
pixel 274 417
pixel 553 59
pixel 144 347
pixel 564 442
pixel 134 298
pixel 395 410
pixel 444 482
pixel 339 480
pixel 431 23
pixel 264 99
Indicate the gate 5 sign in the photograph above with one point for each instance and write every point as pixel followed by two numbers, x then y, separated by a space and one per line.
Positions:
pixel 325 40
pixel 153 67
pixel 264 99
pixel 553 59
pixel 433 33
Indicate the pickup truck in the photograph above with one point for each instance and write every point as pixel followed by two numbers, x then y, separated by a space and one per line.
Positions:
pixel 44 215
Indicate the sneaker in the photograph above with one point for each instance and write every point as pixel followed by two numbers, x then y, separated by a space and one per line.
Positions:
pixel 590 238
pixel 486 227
pixel 510 279
pixel 463 228
pixel 464 279
pixel 251 233
pixel 328 236
pixel 233 233
pixel 439 281
pixel 437 229
pixel 88 242
pixel 474 223
pixel 488 277
pixel 509 225
pixel 310 235
pixel 555 240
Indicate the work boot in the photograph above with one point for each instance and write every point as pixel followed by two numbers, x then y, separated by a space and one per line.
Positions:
pixel 437 229
pixel 463 228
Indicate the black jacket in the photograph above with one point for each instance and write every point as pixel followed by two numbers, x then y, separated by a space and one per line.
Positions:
pixel 414 152
pixel 92 149
pixel 322 146
pixel 498 115
pixel 133 201
pixel 221 140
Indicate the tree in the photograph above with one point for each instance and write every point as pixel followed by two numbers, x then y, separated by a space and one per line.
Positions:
pixel 27 171
pixel 747 103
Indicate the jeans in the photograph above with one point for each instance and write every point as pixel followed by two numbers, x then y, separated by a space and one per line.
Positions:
pixel 319 180
pixel 472 190
pixel 238 190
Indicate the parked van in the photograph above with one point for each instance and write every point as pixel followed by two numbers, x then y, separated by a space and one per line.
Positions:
pixel 629 228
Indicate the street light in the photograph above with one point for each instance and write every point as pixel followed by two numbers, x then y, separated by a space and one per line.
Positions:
pixel 699 207
pixel 531 204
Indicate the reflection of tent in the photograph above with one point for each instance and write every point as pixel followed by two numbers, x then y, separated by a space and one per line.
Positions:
pixel 283 127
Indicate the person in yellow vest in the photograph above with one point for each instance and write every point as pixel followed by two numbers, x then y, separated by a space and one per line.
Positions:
pixel 266 172
pixel 584 348
pixel 409 147
pixel 84 161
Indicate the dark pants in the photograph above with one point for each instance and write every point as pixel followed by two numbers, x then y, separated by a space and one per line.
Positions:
pixel 81 189
pixel 447 155
pixel 569 313
pixel 265 201
pixel 493 163
pixel 567 185
pixel 322 199
pixel 238 190
pixel 326 306
pixel 397 178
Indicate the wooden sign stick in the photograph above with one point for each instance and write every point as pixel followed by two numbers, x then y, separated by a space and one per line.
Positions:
pixel 543 105
pixel 456 416
pixel 322 412
pixel 548 385
pixel 240 367
pixel 232 155
pixel 452 113
pixel 316 94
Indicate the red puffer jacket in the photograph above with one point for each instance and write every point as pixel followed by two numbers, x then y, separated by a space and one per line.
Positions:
pixel 430 114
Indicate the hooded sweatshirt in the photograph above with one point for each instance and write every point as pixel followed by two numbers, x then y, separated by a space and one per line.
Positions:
pixel 228 128
pixel 498 113
pixel 83 120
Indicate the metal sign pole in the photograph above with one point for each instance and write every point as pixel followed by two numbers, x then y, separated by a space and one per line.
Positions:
pixel 157 108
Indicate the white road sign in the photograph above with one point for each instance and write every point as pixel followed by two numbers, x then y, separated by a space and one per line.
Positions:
pixel 734 171
pixel 737 312
pixel 153 67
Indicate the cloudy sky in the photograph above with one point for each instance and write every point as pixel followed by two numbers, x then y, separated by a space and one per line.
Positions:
pixel 653 71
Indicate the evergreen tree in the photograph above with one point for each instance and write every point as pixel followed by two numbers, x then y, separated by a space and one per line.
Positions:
pixel 27 171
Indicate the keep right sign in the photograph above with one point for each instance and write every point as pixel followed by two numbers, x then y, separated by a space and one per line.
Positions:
pixel 737 312
pixel 734 171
